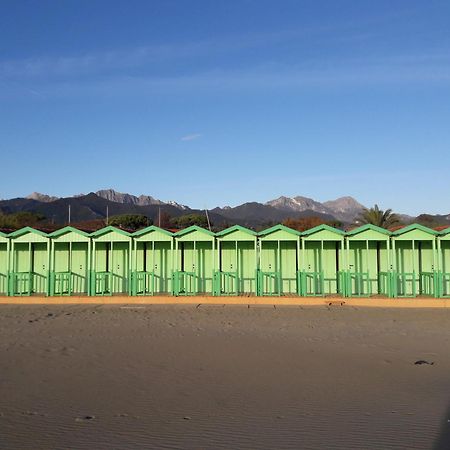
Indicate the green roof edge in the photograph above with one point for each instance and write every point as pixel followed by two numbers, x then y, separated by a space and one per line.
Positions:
pixel 414 226
pixel 321 227
pixel 192 228
pixel 236 228
pixel 151 228
pixel 107 229
pixel 25 230
pixel 279 227
pixel 67 229
pixel 368 226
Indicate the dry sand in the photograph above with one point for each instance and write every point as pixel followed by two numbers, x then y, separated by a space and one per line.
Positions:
pixel 155 376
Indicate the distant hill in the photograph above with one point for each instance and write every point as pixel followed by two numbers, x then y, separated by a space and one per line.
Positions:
pixel 257 214
pixel 94 206
pixel 91 207
pixel 345 209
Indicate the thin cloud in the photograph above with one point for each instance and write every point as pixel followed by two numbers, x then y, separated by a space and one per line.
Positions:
pixel 190 137
pixel 128 58
pixel 405 70
pixel 124 59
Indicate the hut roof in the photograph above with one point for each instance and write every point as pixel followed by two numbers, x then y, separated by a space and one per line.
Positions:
pixel 150 229
pixel 279 227
pixel 322 227
pixel 192 228
pixel 414 226
pixel 68 229
pixel 26 230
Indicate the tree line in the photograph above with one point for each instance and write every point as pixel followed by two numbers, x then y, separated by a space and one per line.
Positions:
pixel 132 222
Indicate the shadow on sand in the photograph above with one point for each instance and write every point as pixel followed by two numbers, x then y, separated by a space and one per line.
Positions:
pixel 443 440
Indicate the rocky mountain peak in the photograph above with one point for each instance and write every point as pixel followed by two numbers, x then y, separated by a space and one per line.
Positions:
pixel 119 197
pixel 297 204
pixel 177 205
pixel 344 208
pixel 41 197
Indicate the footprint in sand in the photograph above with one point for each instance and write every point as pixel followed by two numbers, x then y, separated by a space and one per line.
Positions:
pixel 84 418
pixel 420 362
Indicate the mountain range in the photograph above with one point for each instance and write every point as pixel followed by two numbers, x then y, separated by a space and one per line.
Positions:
pixel 96 205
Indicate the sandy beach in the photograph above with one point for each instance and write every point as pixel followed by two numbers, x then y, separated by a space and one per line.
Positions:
pixel 214 376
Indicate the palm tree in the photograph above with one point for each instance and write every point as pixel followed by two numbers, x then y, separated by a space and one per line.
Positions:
pixel 378 217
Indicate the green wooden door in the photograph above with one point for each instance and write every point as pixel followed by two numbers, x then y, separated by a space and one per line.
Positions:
pixel 445 269
pixel 406 263
pixel 79 267
pixel 288 267
pixel 278 267
pixel 119 267
pixel 427 277
pixel 312 272
pixel 331 266
pixel 246 267
pixel 269 275
pixel 203 262
pixel 3 268
pixel 365 260
pixel 39 267
pixel 155 261
pixel 227 283
pixel 22 278
pixel 102 282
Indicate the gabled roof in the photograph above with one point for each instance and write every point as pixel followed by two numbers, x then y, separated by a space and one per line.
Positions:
pixel 68 229
pixel 26 230
pixel 191 229
pixel 235 228
pixel 150 229
pixel 443 231
pixel 368 226
pixel 109 229
pixel 322 227
pixel 414 226
pixel 279 227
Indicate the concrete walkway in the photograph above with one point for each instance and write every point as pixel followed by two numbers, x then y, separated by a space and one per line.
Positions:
pixel 250 301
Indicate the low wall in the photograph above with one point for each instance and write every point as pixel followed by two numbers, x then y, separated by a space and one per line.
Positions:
pixel 250 301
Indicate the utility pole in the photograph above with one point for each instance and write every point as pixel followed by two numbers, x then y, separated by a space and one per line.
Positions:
pixel 207 218
pixel 159 217
pixel 69 214
pixel 107 215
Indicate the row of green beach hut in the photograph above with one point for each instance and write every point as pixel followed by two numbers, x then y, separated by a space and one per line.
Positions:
pixel 323 261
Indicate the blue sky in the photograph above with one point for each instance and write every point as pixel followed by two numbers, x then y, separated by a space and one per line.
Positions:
pixel 220 102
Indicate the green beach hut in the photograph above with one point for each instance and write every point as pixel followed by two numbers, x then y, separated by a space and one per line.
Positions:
pixel 279 249
pixel 368 261
pixel 111 262
pixel 4 263
pixel 443 245
pixel 237 262
pixel 30 262
pixel 414 261
pixel 70 257
pixel 322 261
pixel 152 261
pixel 194 261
